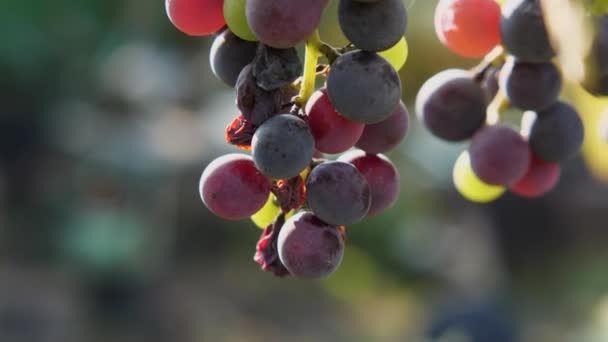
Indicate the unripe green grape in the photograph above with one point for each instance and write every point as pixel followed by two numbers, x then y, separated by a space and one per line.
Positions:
pixel 470 186
pixel 396 55
pixel 269 212
pixel 234 13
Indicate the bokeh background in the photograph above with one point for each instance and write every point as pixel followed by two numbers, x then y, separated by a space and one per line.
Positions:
pixel 108 115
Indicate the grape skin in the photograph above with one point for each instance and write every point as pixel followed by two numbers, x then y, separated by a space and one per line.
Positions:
pixel 531 86
pixel 283 24
pixel 309 247
pixel 338 193
pixel 523 31
pixel 385 135
pixel 470 28
pixel 557 133
pixel 228 180
pixel 541 178
pixel 470 186
pixel 373 26
pixel 451 105
pixel 229 55
pixel 333 133
pixel 499 155
pixel 282 146
pixel 196 17
pixel 382 177
pixel 363 87
pixel 234 12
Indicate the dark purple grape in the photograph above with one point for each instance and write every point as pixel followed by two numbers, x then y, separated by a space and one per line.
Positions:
pixel 499 155
pixel 451 105
pixel 338 193
pixel 229 55
pixel 523 31
pixel 381 175
pixel 364 87
pixel 557 133
pixel 284 23
pixel 531 86
pixel 309 247
pixel 385 135
pixel 490 84
pixel 282 146
pixel 373 26
pixel 232 188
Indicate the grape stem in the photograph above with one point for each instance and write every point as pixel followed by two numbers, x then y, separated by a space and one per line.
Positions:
pixel 315 48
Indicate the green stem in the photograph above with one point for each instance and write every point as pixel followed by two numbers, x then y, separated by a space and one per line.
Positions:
pixel 313 47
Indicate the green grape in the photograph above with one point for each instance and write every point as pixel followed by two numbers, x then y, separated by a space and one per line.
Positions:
pixel 397 55
pixel 267 214
pixel 470 186
pixel 234 13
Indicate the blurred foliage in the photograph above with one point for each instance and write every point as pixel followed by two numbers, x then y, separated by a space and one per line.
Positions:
pixel 108 117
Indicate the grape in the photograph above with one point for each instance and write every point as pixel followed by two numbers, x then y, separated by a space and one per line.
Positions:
pixel 557 133
pixel 284 23
pixel 530 86
pixel 229 55
pixel 337 193
pixel 381 175
pixel 282 146
pixel 540 178
pixel 333 133
pixel 276 68
pixel 397 54
pixel 387 134
pixel 196 17
pixel 499 155
pixel 490 84
pixel 255 103
pixel 451 105
pixel 470 28
pixel 363 87
pixel 470 186
pixel 232 188
pixel 269 212
pixel 374 26
pixel 234 12
pixel 309 247
pixel 523 31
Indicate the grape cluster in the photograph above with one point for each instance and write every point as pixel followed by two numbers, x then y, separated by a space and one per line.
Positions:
pixel 286 186
pixel 518 73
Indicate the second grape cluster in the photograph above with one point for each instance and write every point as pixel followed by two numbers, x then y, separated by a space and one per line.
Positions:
pixel 519 73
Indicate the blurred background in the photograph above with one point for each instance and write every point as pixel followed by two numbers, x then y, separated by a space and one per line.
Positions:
pixel 108 116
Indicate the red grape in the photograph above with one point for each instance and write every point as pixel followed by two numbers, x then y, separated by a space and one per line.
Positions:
pixel 309 247
pixel 470 28
pixel 232 188
pixel 381 175
pixel 196 17
pixel 385 135
pixel 333 133
pixel 540 178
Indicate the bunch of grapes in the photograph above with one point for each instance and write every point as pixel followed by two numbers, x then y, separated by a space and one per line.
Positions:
pixel 286 186
pixel 519 73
